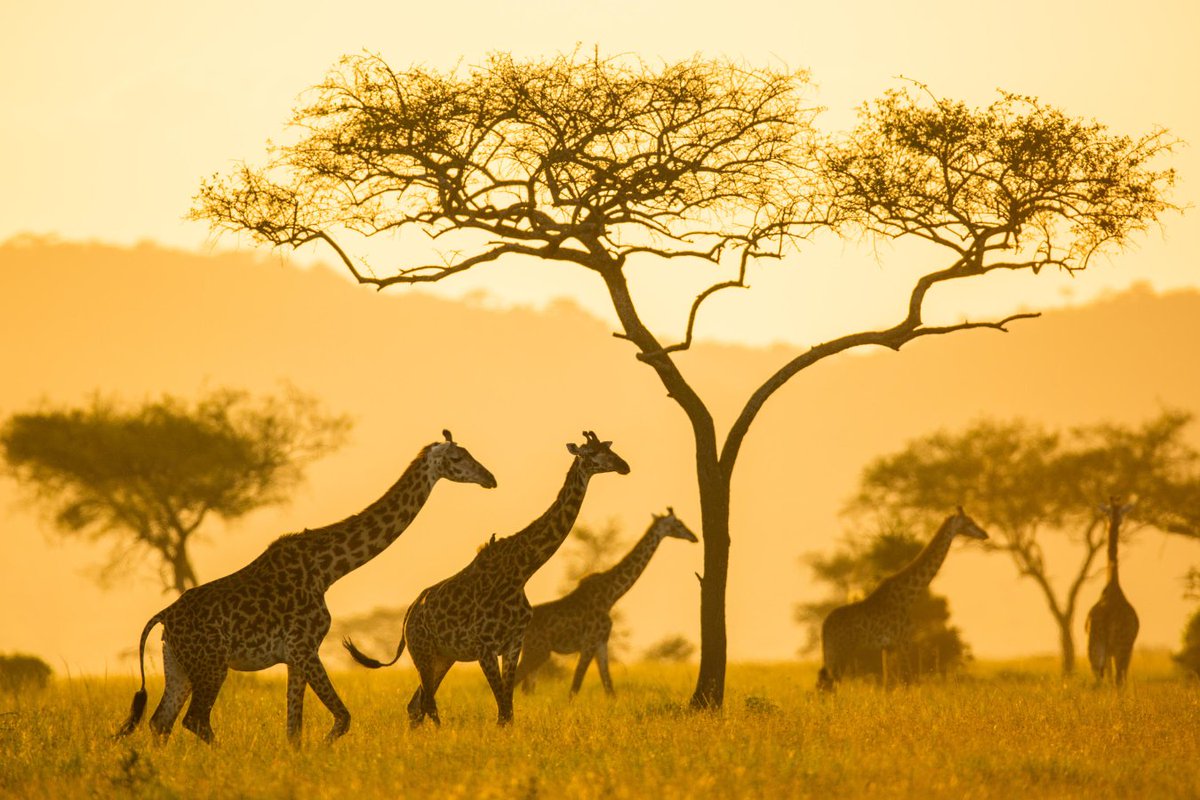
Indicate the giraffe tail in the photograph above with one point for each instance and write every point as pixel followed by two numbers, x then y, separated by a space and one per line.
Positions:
pixel 139 698
pixel 366 660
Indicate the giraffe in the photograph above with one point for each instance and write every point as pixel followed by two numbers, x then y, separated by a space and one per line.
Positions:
pixel 580 622
pixel 1112 624
pixel 480 613
pixel 881 619
pixel 273 610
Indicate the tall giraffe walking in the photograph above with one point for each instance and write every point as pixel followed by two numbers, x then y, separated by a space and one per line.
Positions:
pixel 580 622
pixel 273 610
pixel 1112 624
pixel 480 613
pixel 880 621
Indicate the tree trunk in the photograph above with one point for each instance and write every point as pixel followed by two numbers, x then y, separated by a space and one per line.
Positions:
pixel 714 505
pixel 183 577
pixel 1067 640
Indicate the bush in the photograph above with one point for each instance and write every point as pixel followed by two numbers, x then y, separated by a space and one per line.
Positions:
pixel 19 672
pixel 1189 657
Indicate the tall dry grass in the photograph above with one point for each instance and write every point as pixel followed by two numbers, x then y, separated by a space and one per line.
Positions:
pixel 1003 730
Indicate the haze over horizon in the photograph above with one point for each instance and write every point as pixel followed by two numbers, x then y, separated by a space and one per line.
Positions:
pixel 138 322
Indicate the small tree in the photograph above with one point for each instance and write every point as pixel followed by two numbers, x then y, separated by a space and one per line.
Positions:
pixel 1024 483
pixel 603 164
pixel 147 477
pixel 675 649
pixel 855 569
pixel 19 672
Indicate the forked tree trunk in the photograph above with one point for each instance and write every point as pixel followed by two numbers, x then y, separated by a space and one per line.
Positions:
pixel 714 509
pixel 1067 642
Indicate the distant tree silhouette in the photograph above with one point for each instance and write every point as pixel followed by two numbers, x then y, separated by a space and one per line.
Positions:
pixel 675 648
pixel 147 477
pixel 854 569
pixel 19 672
pixel 1024 483
pixel 604 164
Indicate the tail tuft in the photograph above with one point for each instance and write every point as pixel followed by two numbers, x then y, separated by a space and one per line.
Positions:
pixel 135 713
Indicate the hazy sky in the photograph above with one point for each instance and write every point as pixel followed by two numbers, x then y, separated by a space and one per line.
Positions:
pixel 114 112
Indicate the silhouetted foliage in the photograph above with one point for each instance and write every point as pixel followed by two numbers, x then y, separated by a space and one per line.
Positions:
pixel 20 672
pixel 1189 656
pixel 606 163
pixel 147 477
pixel 674 649
pixel 853 571
pixel 1023 483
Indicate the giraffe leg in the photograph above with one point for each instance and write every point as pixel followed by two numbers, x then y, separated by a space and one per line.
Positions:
pixel 423 703
pixel 508 672
pixel 295 704
pixel 602 665
pixel 532 659
pixel 585 660
pixel 206 685
pixel 175 693
pixel 886 656
pixel 318 679
pixel 491 669
pixel 1121 668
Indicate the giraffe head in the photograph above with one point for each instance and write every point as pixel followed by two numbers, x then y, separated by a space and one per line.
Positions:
pixel 668 526
pixel 596 456
pixel 962 525
pixel 451 461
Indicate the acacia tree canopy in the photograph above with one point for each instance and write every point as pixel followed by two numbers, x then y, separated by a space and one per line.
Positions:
pixel 147 477
pixel 1024 483
pixel 592 161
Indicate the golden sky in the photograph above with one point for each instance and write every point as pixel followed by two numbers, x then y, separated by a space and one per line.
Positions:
pixel 113 113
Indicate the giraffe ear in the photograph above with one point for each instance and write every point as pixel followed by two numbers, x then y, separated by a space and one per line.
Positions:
pixel 448 435
pixel 572 448
pixel 670 511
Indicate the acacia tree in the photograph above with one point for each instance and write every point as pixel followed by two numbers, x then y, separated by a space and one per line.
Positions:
pixel 1024 483
pixel 147 477
pixel 605 163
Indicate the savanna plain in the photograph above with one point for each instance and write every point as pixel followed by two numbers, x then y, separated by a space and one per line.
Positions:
pixel 1012 729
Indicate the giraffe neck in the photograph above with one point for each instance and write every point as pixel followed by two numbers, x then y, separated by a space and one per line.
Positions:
pixel 619 578
pixel 1114 532
pixel 542 537
pixel 343 547
pixel 917 575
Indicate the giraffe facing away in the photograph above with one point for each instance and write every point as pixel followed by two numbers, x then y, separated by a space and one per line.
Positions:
pixel 480 613
pixel 1112 624
pixel 580 622
pixel 880 621
pixel 273 610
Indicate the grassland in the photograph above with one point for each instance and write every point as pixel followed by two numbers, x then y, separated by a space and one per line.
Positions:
pixel 1003 730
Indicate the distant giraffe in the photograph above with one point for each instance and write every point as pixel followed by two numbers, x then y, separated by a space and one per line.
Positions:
pixel 580 622
pixel 881 619
pixel 273 610
pixel 1112 624
pixel 481 612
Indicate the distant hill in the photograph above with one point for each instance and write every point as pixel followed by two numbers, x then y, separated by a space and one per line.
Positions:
pixel 515 386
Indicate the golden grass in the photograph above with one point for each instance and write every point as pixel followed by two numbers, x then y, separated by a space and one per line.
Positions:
pixel 1004 730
